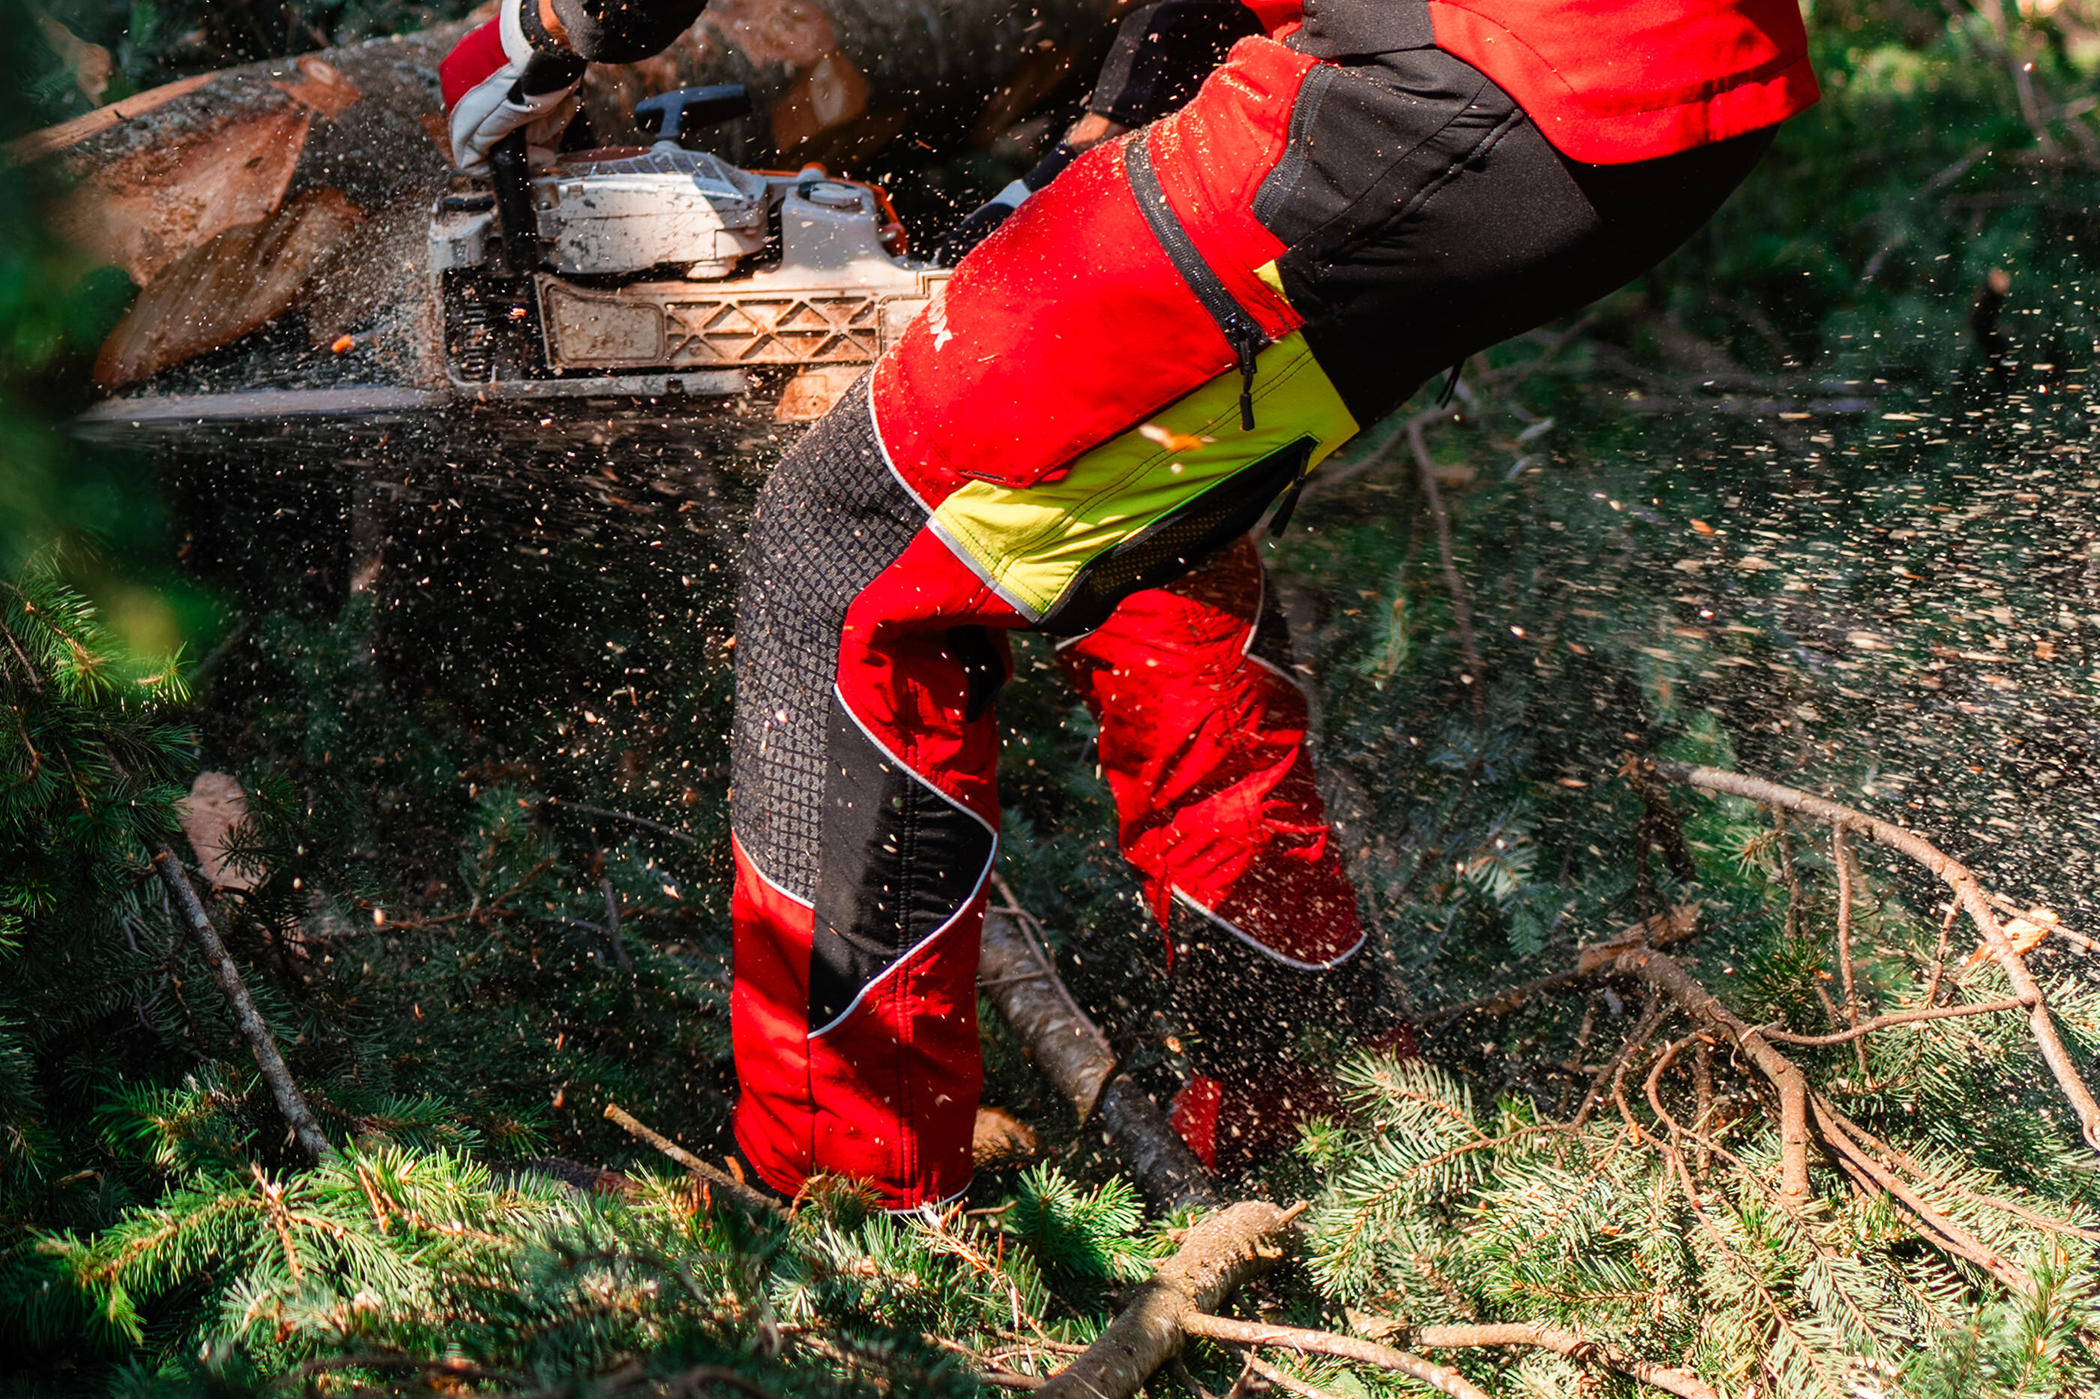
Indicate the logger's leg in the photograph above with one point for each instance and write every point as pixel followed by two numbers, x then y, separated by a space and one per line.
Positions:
pixel 1203 731
pixel 865 823
pixel 1073 424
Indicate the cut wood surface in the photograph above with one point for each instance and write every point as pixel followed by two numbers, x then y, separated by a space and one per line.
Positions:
pixel 240 281
pixel 216 807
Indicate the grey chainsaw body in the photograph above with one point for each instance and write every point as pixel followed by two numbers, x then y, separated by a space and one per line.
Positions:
pixel 663 270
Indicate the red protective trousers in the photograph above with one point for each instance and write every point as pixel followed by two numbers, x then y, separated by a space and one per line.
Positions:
pixel 1154 351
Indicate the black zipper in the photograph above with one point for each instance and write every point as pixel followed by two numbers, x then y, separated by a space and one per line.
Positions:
pixel 1241 331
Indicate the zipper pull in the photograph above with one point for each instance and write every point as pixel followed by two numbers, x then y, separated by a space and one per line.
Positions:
pixel 1247 342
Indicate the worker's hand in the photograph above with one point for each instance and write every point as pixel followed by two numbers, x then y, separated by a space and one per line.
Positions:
pixel 996 210
pixel 495 82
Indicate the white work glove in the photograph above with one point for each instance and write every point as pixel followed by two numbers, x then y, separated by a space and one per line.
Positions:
pixel 495 82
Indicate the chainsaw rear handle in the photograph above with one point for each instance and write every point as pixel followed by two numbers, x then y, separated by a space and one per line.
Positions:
pixel 512 174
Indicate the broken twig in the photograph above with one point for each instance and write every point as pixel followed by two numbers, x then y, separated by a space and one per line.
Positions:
pixel 715 1176
pixel 246 1018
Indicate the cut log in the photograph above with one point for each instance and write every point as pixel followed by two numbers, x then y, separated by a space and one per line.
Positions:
pixel 239 281
pixel 162 175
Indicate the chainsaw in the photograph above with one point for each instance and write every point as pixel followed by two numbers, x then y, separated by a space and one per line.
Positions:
pixel 659 270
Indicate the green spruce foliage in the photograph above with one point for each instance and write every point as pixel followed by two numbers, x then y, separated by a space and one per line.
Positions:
pixel 1810 501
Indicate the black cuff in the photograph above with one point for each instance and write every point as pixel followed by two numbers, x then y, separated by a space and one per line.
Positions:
pixel 624 31
pixel 537 33
pixel 1163 53
pixel 549 72
pixel 1050 166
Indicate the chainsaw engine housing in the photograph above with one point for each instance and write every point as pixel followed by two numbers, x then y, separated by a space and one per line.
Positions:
pixel 666 270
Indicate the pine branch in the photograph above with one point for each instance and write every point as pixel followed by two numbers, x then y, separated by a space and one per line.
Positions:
pixel 1591 962
pixel 1955 875
pixel 246 1018
pixel 388 1363
pixel 1859 1163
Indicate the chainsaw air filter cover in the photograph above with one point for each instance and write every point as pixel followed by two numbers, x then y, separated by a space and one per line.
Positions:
pixel 668 205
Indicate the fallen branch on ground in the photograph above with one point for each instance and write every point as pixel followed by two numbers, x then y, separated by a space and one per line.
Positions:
pixel 1216 1256
pixel 1974 901
pixel 1254 1333
pixel 715 1176
pixel 1798 1106
pixel 246 1018
pixel 1591 961
pixel 1067 1048
pixel 1544 1337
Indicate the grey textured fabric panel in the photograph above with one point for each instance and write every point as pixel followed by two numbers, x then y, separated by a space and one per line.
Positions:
pixel 831 517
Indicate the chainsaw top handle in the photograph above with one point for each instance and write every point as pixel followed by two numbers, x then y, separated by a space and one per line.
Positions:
pixel 699 106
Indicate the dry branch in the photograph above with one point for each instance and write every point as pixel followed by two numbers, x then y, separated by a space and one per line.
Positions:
pixel 1067 1047
pixel 1899 1017
pixel 1216 1255
pixel 1667 975
pixel 715 1176
pixel 1538 1334
pixel 1591 961
pixel 246 1018
pixel 1859 1163
pixel 1950 871
pixel 1798 1107
pixel 1461 598
pixel 1254 1333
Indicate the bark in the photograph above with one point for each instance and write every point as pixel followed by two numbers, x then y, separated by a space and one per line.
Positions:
pixel 246 1019
pixel 1216 1255
pixel 1068 1049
